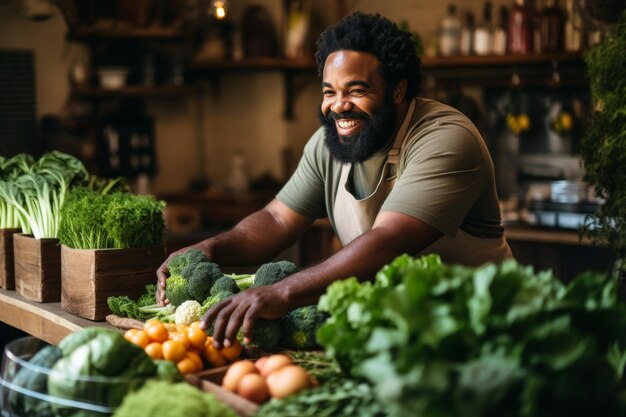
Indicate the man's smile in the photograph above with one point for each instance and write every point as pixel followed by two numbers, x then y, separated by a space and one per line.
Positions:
pixel 347 127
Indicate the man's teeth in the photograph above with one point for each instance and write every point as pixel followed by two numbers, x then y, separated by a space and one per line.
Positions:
pixel 345 124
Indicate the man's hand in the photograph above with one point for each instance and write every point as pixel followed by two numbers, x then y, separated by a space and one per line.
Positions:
pixel 242 310
pixel 162 274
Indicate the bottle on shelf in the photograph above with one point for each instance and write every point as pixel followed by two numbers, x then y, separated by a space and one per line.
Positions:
pixel 483 33
pixel 467 34
pixel 499 32
pixel 573 27
pixel 552 27
pixel 450 33
pixel 520 34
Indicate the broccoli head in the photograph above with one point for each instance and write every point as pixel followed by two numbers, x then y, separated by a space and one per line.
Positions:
pixel 201 277
pixel 225 283
pixel 272 272
pixel 176 290
pixel 299 327
pixel 211 300
pixel 265 334
pixel 180 261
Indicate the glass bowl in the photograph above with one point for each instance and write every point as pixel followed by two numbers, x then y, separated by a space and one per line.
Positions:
pixel 27 395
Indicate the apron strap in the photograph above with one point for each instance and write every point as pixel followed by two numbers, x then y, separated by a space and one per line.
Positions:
pixel 393 156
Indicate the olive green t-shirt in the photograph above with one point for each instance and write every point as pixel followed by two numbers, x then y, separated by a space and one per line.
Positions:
pixel 445 175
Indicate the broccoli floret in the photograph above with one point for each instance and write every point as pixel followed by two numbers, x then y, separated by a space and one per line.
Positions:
pixel 176 290
pixel 265 334
pixel 299 327
pixel 180 261
pixel 201 277
pixel 272 272
pixel 211 300
pixel 225 283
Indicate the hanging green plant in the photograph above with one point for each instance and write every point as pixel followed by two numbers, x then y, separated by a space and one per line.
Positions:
pixel 603 146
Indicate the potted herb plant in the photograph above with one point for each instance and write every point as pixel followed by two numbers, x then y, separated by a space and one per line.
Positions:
pixel 11 222
pixel 111 244
pixel 38 196
pixel 603 146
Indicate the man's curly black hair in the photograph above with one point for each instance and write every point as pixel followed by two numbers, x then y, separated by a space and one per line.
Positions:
pixel 379 36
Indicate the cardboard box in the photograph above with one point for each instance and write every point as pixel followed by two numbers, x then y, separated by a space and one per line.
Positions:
pixel 7 263
pixel 90 276
pixel 37 268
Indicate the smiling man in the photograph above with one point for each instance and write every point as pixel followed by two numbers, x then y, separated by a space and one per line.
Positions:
pixel 394 174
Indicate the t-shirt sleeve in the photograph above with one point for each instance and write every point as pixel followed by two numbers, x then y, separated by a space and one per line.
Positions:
pixel 442 178
pixel 304 191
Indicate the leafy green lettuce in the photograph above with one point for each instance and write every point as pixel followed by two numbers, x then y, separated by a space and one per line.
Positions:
pixel 447 340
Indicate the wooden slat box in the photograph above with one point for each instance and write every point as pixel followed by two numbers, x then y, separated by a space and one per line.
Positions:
pixel 7 262
pixel 90 276
pixel 37 268
pixel 211 380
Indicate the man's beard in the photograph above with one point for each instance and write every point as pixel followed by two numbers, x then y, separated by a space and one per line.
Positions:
pixel 370 139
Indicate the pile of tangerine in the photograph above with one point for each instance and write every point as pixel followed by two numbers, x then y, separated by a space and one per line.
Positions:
pixel 189 347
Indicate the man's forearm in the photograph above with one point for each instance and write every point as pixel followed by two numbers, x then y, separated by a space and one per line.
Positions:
pixel 362 258
pixel 256 239
pixel 392 235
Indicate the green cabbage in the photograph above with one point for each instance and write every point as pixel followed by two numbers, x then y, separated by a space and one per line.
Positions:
pixel 99 367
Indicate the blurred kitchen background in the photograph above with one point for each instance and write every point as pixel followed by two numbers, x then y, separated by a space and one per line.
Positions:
pixel 207 104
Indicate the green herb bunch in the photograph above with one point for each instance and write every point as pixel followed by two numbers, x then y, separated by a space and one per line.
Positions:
pixel 93 220
pixel 603 146
pixel 10 169
pixel 38 193
pixel 501 340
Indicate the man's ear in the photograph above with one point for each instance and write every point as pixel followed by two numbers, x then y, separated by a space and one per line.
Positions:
pixel 399 91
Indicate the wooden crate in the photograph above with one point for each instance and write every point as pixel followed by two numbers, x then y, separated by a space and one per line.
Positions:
pixel 211 380
pixel 37 268
pixel 7 263
pixel 90 276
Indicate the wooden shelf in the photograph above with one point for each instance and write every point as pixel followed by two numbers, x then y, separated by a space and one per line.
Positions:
pixel 289 67
pixel 133 91
pixel 46 321
pixel 121 32
pixel 501 60
pixel 254 64
pixel 544 70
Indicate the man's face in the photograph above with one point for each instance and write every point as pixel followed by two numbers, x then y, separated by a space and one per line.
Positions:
pixel 357 111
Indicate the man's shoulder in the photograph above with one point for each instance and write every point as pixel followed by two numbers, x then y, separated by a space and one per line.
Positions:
pixel 427 110
pixel 434 120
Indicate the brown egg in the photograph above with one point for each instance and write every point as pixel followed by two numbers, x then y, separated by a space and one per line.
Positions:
pixel 274 362
pixel 259 363
pixel 287 380
pixel 254 388
pixel 235 372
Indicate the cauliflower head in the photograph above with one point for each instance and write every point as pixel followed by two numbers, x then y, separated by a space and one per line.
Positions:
pixel 188 312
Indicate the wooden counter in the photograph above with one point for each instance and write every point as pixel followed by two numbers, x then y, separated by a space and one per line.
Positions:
pixel 545 235
pixel 46 321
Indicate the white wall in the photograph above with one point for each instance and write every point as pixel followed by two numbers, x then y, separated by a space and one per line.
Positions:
pixel 247 114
